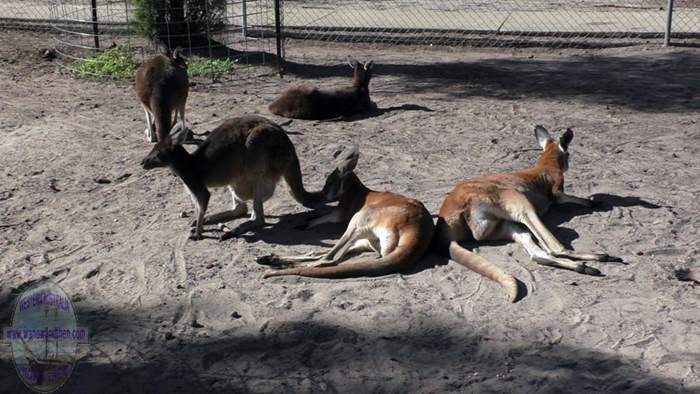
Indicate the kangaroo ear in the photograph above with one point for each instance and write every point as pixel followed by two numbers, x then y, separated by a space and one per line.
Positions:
pixel 369 65
pixel 352 62
pixel 177 53
pixel 542 136
pixel 346 161
pixel 565 139
pixel 179 134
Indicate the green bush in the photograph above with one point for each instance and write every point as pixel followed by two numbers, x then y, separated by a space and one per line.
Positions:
pixel 117 62
pixel 216 68
pixel 177 22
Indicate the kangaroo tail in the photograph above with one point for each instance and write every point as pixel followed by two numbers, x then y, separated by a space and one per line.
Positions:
pixel 407 252
pixel 293 178
pixel 162 118
pixel 485 268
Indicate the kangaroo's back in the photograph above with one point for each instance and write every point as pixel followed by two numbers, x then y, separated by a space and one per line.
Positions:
pixel 299 102
pixel 248 147
pixel 163 78
pixel 162 86
pixel 308 102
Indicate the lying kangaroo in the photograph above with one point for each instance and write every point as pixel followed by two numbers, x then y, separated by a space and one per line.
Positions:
pixel 398 228
pixel 248 154
pixel 308 102
pixel 162 87
pixel 508 206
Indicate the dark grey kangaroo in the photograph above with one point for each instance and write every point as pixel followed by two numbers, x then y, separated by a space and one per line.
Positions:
pixel 310 102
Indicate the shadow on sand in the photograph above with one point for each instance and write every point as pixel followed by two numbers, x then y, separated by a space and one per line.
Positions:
pixel 315 356
pixel 673 77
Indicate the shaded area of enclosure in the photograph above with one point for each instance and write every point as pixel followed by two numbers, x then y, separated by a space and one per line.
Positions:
pixel 667 83
pixel 316 356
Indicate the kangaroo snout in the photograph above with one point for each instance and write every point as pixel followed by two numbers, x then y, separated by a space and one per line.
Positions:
pixel 149 163
pixel 145 164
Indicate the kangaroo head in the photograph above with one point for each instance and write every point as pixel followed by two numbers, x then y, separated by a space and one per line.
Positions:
pixel 362 73
pixel 178 58
pixel 165 151
pixel 337 182
pixel 552 149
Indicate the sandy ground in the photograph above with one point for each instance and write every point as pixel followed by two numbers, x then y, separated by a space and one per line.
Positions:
pixel 169 314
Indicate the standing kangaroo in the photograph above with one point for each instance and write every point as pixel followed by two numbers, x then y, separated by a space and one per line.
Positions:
pixel 162 87
pixel 508 207
pixel 308 102
pixel 398 228
pixel 248 154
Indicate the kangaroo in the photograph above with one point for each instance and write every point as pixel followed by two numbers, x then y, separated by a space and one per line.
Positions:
pixel 508 207
pixel 162 87
pixel 247 154
pixel 398 228
pixel 308 102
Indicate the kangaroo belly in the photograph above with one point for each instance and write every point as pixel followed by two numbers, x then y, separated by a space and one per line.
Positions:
pixel 246 189
pixel 484 221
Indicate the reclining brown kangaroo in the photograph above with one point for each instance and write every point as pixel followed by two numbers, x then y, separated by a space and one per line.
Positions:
pixel 398 228
pixel 309 102
pixel 508 206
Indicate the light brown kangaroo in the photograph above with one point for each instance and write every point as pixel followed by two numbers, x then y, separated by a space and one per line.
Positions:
pixel 309 102
pixel 508 207
pixel 398 228
pixel 161 87
pixel 248 154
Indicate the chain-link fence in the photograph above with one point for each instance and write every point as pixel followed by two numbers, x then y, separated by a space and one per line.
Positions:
pixel 685 26
pixel 246 30
pixel 24 14
pixel 485 23
pixel 223 38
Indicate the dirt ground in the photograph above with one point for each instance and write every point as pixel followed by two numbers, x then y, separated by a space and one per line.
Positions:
pixel 169 314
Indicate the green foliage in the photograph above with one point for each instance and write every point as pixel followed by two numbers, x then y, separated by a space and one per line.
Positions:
pixel 216 68
pixel 145 16
pixel 177 18
pixel 117 62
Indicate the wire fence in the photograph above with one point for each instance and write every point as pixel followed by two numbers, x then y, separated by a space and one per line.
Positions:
pixel 235 31
pixel 252 32
pixel 484 23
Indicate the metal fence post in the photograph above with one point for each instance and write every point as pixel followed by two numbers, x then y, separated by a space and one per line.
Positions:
pixel 669 22
pixel 245 19
pixel 278 34
pixel 95 30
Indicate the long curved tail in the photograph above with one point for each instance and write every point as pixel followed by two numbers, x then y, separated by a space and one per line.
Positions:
pixel 162 118
pixel 294 179
pixel 409 249
pixel 485 268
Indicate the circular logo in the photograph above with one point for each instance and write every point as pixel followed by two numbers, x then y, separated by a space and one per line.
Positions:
pixel 44 337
